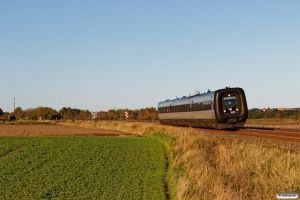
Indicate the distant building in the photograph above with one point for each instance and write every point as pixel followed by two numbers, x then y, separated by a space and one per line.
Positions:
pixel 281 109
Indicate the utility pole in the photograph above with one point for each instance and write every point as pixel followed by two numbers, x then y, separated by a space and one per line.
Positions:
pixel 94 116
pixel 14 103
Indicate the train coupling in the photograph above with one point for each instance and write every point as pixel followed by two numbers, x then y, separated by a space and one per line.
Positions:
pixel 232 120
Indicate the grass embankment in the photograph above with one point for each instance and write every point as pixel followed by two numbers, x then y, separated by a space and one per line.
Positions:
pixel 205 165
pixel 82 167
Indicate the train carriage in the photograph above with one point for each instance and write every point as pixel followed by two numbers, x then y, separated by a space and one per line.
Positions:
pixel 220 109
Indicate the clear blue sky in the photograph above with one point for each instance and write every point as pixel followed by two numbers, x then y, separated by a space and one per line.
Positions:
pixel 100 55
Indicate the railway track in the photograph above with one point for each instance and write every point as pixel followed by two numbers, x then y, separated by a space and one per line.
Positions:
pixel 278 133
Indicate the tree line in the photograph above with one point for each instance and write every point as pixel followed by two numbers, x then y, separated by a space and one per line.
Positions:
pixel 273 113
pixel 46 113
pixel 141 114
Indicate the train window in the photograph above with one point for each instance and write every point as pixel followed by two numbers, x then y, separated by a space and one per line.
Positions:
pixel 205 105
pixel 198 106
pixel 230 104
pixel 208 105
pixel 229 99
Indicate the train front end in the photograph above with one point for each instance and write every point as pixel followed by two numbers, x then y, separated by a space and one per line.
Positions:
pixel 231 110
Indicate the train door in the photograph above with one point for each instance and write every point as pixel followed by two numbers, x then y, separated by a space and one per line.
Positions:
pixel 212 109
pixel 171 110
pixel 192 109
pixel 211 103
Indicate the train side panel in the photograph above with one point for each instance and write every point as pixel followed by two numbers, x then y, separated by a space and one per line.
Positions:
pixel 221 109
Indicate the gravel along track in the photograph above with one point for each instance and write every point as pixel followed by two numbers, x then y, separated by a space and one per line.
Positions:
pixel 52 130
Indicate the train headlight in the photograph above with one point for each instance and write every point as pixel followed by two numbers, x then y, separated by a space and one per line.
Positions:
pixel 224 111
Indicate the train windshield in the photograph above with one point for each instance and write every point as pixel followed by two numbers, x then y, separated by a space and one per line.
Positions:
pixel 229 100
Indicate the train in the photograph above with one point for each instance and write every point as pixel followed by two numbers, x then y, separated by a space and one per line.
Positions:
pixel 220 109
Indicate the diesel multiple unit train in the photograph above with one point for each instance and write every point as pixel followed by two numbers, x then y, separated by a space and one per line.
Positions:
pixel 220 109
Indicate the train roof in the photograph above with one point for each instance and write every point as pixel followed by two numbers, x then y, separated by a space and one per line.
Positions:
pixel 185 99
pixel 193 97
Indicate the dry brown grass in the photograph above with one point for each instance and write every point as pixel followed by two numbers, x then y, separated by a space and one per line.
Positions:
pixel 204 165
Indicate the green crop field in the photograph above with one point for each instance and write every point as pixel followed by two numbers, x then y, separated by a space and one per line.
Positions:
pixel 82 167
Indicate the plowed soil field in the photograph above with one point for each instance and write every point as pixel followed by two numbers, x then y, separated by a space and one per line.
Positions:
pixel 38 130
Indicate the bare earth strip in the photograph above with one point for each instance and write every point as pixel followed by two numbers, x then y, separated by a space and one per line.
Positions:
pixel 38 130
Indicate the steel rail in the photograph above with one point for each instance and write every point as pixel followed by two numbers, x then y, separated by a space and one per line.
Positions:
pixel 274 132
pixel 278 134
pixel 273 135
